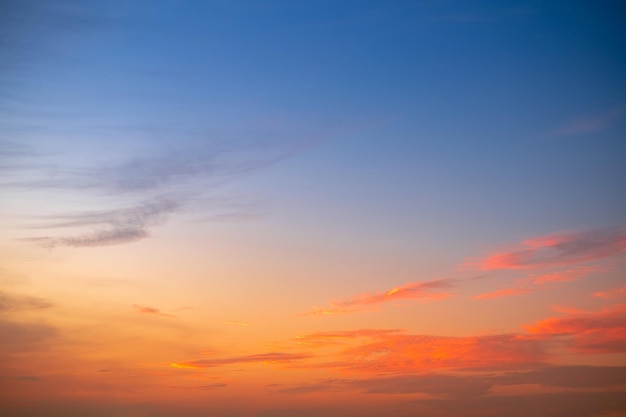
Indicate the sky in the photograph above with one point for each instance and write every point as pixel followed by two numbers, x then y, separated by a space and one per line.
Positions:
pixel 279 208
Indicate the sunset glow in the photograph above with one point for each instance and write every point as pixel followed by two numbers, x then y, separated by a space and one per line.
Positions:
pixel 272 208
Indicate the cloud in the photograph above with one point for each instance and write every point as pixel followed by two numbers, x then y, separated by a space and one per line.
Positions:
pixel 237 323
pixel 10 303
pixel 556 250
pixel 468 384
pixel 506 292
pixel 320 339
pixel 391 351
pixel 434 384
pixel 422 291
pixel 565 249
pixel 206 387
pixel 562 276
pixel 114 226
pixel 19 337
pixel 303 388
pixel 590 124
pixel 27 378
pixel 166 179
pixel 535 282
pixel 273 358
pixel 150 310
pixel 614 292
pixel 601 331
pixel 568 376
pixel 560 404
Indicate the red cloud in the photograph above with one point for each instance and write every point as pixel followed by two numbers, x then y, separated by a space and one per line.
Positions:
pixel 558 249
pixel 591 332
pixel 420 291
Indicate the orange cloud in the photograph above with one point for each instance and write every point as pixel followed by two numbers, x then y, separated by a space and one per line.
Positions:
pixel 563 276
pixel 237 323
pixel 422 291
pixel 503 293
pixel 321 339
pixel 558 249
pixel 601 331
pixel 274 357
pixel 615 292
pixel 150 310
pixel 534 282
pixel 390 351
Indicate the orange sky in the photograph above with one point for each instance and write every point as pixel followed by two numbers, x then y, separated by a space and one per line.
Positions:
pixel 279 208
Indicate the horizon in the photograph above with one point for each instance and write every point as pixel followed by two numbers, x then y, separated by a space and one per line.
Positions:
pixel 267 208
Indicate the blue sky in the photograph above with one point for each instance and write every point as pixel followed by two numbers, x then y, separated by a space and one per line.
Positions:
pixel 375 173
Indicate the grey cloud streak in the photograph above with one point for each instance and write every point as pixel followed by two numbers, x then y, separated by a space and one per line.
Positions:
pixel 116 226
pixel 164 180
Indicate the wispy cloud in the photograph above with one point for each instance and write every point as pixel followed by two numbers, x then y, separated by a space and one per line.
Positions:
pixel 535 282
pixel 206 387
pixel 469 384
pixel 112 227
pixel 20 337
pixel 12 303
pixel 141 192
pixel 536 254
pixel 421 291
pixel 506 292
pixel 237 323
pixel 378 351
pixel 590 124
pixel 557 249
pixel 268 358
pixel 150 310
pixel 601 331
pixel 614 292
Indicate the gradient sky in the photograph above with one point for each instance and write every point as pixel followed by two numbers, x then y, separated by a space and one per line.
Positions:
pixel 312 208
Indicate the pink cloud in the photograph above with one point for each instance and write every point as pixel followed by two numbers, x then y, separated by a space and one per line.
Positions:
pixel 422 291
pixel 601 331
pixel 615 292
pixel 150 310
pixel 378 351
pixel 563 276
pixel 590 124
pixel 506 292
pixel 558 249
pixel 535 282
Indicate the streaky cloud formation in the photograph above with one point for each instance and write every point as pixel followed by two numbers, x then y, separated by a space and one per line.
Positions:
pixel 150 310
pixel 113 226
pixel 506 292
pixel 421 291
pixel 392 350
pixel 268 358
pixel 168 178
pixel 14 303
pixel 614 292
pixel 535 282
pixel 590 124
pixel 601 331
pixel 557 249
pixel 472 384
